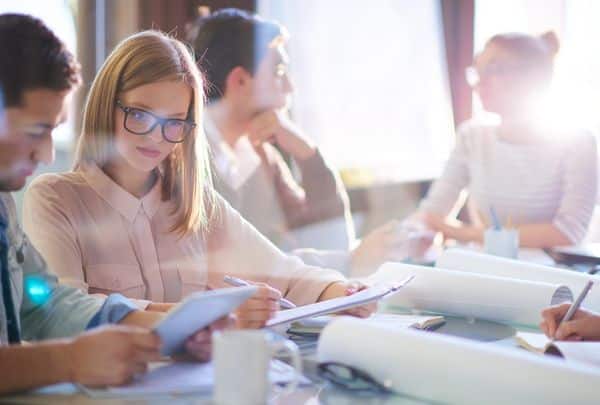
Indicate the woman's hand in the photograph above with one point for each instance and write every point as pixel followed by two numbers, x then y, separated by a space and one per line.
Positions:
pixel 585 325
pixel 453 229
pixel 342 289
pixel 394 241
pixel 199 346
pixel 258 309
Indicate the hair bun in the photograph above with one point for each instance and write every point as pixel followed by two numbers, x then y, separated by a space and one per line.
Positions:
pixel 550 39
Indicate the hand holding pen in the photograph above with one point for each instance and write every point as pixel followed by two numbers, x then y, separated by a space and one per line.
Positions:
pixel 568 322
pixel 237 282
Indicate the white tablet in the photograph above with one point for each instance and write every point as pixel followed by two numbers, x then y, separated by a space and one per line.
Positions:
pixel 197 311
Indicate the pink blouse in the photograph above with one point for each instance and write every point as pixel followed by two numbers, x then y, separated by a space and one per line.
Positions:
pixel 98 237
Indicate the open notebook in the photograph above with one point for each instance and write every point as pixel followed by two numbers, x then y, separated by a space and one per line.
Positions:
pixel 313 326
pixel 586 352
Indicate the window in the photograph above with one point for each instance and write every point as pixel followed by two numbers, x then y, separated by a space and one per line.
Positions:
pixel 371 83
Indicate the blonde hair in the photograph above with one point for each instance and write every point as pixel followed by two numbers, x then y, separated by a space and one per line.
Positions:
pixel 144 58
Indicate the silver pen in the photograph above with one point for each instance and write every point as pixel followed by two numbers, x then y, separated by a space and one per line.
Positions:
pixel 238 282
pixel 576 304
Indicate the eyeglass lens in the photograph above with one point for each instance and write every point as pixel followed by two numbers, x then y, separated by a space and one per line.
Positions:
pixel 142 122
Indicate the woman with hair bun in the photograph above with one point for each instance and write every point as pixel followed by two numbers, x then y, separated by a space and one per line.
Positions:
pixel 539 178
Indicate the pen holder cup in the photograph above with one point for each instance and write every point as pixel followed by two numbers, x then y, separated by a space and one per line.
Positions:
pixel 501 242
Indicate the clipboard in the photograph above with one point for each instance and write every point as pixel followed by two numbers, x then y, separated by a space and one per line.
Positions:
pixel 365 296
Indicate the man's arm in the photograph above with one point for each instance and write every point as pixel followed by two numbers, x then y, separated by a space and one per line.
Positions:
pixel 29 366
pixel 105 356
pixel 46 309
pixel 321 194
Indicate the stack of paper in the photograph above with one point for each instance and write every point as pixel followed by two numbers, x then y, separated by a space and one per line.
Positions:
pixel 422 322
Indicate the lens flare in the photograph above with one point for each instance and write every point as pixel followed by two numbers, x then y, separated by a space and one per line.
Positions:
pixel 37 289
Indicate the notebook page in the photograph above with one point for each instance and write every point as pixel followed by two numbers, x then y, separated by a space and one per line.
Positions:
pixel 532 341
pixel 405 321
pixel 367 295
pixel 397 320
pixel 586 352
pixel 182 378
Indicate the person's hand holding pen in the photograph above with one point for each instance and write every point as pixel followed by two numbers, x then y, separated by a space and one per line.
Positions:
pixel 341 289
pixel 585 324
pixel 568 322
pixel 262 306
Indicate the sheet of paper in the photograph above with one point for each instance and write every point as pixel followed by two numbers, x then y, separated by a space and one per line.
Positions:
pixel 402 320
pixel 454 370
pixel 471 295
pixel 585 352
pixel 182 378
pixel 397 320
pixel 371 294
pixel 473 262
pixel 532 341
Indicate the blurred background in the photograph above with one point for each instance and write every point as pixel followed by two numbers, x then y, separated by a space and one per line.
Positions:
pixel 380 85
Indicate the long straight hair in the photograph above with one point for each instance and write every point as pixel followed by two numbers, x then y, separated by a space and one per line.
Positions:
pixel 144 58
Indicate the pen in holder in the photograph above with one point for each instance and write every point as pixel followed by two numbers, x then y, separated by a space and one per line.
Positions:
pixel 501 241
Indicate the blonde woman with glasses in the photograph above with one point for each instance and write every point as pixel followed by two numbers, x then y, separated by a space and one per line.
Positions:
pixel 138 215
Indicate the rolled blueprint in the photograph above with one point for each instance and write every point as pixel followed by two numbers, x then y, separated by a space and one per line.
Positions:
pixel 453 370
pixel 471 295
pixel 473 262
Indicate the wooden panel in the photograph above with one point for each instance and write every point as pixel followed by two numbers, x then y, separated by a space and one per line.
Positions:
pixel 172 15
pixel 458 18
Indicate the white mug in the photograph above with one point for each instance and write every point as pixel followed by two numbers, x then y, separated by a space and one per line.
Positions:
pixel 242 360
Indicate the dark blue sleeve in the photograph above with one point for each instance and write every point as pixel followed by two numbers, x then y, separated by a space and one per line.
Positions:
pixel 115 308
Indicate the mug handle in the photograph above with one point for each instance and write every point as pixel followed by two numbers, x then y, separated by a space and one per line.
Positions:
pixel 292 349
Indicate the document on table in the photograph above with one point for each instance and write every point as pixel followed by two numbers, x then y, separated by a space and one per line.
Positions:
pixel 182 378
pixel 365 296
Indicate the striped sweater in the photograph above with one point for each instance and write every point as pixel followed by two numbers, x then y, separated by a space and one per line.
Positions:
pixel 550 181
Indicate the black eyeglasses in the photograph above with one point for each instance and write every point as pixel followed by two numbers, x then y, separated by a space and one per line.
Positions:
pixel 142 122
pixel 350 378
